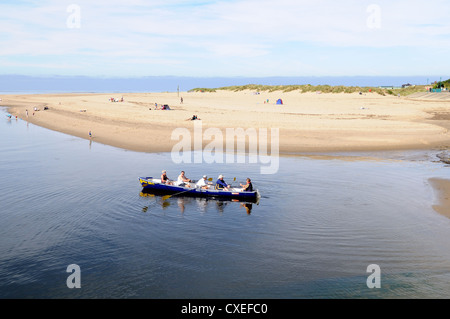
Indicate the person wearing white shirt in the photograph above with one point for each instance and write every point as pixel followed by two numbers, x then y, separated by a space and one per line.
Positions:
pixel 202 182
pixel 183 180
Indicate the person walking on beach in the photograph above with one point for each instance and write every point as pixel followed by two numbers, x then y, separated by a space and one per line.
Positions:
pixel 90 134
pixel 26 112
pixel 181 100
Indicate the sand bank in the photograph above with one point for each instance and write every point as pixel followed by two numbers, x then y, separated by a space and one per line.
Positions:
pixel 308 122
pixel 442 188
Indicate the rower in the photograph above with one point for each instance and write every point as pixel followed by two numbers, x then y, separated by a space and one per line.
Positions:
pixel 247 187
pixel 183 180
pixel 220 184
pixel 202 183
pixel 165 179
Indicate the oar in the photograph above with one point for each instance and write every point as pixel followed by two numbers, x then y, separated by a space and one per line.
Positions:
pixel 168 196
pixel 210 179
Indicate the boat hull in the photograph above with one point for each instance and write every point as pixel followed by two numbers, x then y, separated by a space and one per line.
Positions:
pixel 152 187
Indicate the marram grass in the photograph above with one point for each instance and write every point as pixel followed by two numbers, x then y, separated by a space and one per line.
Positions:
pixel 316 88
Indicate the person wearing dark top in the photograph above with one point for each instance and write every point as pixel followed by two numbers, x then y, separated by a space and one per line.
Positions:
pixel 247 187
pixel 165 179
pixel 220 184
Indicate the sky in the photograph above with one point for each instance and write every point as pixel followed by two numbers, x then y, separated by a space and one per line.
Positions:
pixel 256 38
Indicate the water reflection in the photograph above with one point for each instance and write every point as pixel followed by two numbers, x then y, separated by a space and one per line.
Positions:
pixel 158 192
pixel 186 203
pixel 181 204
pixel 248 207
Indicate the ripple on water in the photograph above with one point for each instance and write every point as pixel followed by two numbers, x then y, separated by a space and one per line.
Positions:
pixel 318 225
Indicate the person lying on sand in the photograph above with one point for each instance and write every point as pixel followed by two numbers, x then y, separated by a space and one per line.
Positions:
pixel 193 118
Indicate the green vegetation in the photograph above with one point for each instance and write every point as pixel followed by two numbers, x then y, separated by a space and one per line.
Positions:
pixel 442 84
pixel 203 90
pixel 318 88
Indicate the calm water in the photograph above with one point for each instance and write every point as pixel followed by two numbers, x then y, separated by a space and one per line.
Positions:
pixel 318 226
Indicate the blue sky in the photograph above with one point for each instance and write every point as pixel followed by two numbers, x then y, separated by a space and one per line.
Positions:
pixel 225 38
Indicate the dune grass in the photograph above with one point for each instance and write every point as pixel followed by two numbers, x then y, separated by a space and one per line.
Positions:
pixel 203 90
pixel 316 88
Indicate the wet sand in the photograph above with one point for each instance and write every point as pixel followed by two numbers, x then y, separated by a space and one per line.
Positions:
pixel 442 189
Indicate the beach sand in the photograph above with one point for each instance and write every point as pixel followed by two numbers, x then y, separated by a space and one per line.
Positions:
pixel 307 122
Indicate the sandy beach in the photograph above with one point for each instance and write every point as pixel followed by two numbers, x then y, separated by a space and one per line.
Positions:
pixel 442 189
pixel 308 122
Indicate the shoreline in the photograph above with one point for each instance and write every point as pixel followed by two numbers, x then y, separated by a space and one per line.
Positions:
pixel 319 126
pixel 307 122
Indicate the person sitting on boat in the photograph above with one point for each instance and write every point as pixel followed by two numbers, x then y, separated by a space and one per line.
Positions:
pixel 247 187
pixel 202 183
pixel 183 180
pixel 165 179
pixel 220 184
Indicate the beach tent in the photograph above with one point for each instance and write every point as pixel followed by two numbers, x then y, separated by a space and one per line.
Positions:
pixel 280 101
pixel 165 107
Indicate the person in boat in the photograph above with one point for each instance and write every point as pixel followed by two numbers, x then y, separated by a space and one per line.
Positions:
pixel 202 183
pixel 247 187
pixel 183 180
pixel 165 179
pixel 221 185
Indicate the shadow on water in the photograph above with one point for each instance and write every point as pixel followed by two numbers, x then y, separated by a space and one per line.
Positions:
pixel 195 203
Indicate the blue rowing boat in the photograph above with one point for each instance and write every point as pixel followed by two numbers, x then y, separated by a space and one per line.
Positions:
pixel 154 186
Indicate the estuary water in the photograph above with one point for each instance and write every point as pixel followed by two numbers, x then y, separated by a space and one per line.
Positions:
pixel 318 226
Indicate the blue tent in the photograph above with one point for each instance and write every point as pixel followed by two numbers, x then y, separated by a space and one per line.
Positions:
pixel 280 101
